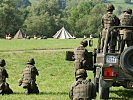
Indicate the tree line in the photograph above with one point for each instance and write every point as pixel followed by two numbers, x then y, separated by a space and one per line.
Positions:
pixel 45 17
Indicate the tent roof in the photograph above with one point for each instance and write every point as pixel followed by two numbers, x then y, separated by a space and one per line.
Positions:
pixel 18 35
pixel 62 34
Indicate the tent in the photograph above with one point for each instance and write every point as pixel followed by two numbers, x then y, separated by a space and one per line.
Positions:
pixel 18 35
pixel 62 34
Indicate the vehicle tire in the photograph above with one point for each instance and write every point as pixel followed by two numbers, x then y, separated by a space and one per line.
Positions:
pixel 103 92
pixel 126 60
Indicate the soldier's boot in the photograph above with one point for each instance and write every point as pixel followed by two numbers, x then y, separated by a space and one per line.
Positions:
pixel 7 89
pixel 2 92
pixel 2 86
pixel 35 89
pixel 27 91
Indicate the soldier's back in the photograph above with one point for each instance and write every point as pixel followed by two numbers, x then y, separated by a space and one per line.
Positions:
pixel 83 89
pixel 126 19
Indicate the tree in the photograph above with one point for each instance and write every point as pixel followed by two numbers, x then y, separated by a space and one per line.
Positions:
pixel 44 17
pixel 10 17
pixel 85 18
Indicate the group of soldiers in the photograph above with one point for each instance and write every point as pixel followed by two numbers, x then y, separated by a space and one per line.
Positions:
pixel 27 81
pixel 83 89
pixel 125 34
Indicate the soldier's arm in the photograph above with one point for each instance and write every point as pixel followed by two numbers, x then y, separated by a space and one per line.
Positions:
pixel 102 23
pixel 71 93
pixel 20 80
pixel 36 71
pixel 5 73
pixel 86 53
pixel 132 20
pixel 117 21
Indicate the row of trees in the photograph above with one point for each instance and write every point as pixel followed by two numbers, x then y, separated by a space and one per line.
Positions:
pixel 45 18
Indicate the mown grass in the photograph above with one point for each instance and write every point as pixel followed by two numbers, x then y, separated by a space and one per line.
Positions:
pixel 55 77
pixel 32 44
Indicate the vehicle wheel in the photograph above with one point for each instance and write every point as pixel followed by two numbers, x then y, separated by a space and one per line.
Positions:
pixel 126 60
pixel 103 92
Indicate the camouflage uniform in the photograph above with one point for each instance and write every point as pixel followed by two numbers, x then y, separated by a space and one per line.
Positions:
pixel 4 87
pixel 29 78
pixel 126 19
pixel 109 20
pixel 82 89
pixel 80 56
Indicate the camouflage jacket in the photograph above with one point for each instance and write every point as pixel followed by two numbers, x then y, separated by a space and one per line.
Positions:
pixel 81 57
pixel 109 20
pixel 82 89
pixel 29 74
pixel 126 20
pixel 80 53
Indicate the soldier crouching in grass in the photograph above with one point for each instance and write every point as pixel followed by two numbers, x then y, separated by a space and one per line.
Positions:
pixel 82 89
pixel 4 87
pixel 29 78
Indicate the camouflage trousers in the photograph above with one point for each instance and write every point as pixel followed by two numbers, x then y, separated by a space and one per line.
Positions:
pixel 30 87
pixel 5 89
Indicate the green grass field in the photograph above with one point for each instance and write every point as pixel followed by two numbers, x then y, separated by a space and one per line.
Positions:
pixel 9 45
pixel 56 74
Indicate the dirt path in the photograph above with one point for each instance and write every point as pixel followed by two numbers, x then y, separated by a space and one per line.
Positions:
pixel 24 51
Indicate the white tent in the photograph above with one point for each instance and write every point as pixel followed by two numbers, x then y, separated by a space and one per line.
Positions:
pixel 18 35
pixel 62 34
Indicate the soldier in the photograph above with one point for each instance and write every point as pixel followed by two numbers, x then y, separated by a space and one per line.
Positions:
pixel 29 78
pixel 80 56
pixel 126 19
pixel 4 87
pixel 82 89
pixel 109 20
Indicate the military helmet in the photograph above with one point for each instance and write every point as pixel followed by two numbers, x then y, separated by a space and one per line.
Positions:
pixel 2 62
pixel 128 10
pixel 110 7
pixel 84 43
pixel 81 73
pixel 31 61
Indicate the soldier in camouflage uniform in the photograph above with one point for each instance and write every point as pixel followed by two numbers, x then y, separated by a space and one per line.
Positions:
pixel 82 89
pixel 4 87
pixel 80 56
pixel 126 19
pixel 29 78
pixel 109 20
